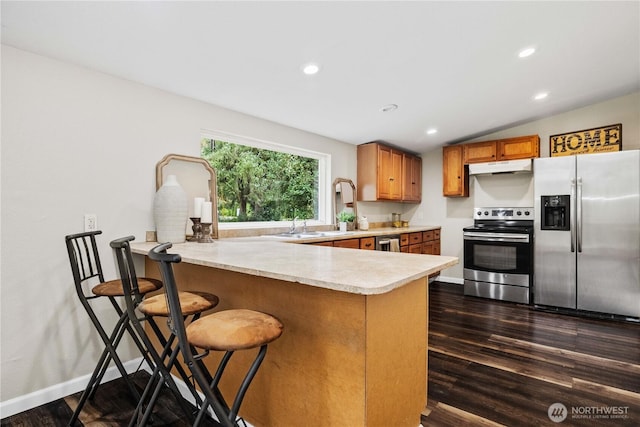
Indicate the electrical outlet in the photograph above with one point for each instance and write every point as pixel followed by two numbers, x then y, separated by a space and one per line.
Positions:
pixel 90 222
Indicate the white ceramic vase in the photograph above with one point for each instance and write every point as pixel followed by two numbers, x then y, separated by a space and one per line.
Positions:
pixel 170 212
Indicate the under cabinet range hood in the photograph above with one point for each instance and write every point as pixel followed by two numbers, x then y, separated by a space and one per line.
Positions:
pixel 508 166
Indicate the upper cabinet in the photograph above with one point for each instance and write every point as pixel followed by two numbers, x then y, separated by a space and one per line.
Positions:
pixel 411 178
pixel 522 147
pixel 455 173
pixel 388 174
pixel 479 152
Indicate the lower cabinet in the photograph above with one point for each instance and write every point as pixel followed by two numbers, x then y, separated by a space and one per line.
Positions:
pixel 348 243
pixel 327 243
pixel 431 242
pixel 425 242
pixel 368 243
pixel 420 242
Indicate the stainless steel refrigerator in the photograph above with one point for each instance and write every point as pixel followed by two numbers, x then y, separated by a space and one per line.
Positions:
pixel 587 232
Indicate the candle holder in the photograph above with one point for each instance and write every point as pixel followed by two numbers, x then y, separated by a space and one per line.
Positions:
pixel 197 230
pixel 205 236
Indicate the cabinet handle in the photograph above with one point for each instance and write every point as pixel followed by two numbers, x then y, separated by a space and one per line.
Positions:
pixel 390 178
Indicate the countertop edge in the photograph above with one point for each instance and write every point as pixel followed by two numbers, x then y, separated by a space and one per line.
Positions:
pixel 346 270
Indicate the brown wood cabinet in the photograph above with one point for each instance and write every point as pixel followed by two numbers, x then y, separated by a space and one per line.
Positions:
pixel 455 158
pixel 368 243
pixel 348 243
pixel 523 147
pixel 431 242
pixel 385 174
pixel 455 176
pixel 419 242
pixel 411 178
pixel 425 242
pixel 479 152
pixel 327 243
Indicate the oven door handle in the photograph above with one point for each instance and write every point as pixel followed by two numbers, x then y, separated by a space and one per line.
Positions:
pixel 496 237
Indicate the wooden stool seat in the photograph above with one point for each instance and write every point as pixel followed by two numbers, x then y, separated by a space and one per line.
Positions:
pixel 190 303
pixel 113 288
pixel 231 330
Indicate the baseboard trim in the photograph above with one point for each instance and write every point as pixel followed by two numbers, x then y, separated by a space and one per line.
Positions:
pixel 58 391
pixel 454 280
pixel 37 398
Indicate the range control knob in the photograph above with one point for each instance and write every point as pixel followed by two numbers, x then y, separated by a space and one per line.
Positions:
pixel 486 212
pixel 519 213
pixel 526 212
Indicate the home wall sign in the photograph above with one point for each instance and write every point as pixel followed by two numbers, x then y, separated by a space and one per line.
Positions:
pixel 597 140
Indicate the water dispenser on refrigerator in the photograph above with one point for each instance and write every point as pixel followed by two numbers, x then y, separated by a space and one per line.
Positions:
pixel 555 213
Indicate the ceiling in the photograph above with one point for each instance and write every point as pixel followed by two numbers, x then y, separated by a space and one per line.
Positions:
pixel 452 66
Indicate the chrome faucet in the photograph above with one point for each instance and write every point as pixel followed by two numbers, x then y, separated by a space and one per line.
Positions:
pixel 304 226
pixel 292 229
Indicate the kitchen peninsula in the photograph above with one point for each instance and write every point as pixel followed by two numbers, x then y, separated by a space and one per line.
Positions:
pixel 354 347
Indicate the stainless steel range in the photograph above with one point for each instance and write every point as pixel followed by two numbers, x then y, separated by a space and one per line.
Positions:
pixel 498 254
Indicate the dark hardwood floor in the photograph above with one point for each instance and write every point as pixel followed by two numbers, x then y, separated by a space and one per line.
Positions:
pixel 490 363
pixel 496 363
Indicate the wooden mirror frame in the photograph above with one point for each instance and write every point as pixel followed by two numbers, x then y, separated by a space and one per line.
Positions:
pixel 335 205
pixel 213 190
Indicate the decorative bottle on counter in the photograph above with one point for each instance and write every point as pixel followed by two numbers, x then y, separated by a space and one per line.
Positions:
pixel 170 211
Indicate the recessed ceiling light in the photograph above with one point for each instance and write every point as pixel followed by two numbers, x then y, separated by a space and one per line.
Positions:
pixel 310 68
pixel 541 95
pixel 526 52
pixel 432 131
pixel 389 107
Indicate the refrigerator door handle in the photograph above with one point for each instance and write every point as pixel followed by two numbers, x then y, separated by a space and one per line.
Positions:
pixel 579 214
pixel 572 226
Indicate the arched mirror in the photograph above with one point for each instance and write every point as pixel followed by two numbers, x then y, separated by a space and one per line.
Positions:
pixel 344 199
pixel 197 178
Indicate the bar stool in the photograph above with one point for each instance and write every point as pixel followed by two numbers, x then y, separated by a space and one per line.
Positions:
pixel 227 330
pixel 87 271
pixel 192 304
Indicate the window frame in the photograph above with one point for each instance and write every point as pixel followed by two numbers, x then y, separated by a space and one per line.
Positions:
pixel 324 178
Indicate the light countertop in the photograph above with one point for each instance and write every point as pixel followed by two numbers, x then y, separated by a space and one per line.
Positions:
pixel 363 272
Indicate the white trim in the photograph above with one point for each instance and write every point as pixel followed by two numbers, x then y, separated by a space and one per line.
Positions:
pixel 37 398
pixel 325 215
pixel 453 280
pixel 58 391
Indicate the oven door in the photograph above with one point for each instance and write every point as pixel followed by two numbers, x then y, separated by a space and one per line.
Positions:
pixel 502 257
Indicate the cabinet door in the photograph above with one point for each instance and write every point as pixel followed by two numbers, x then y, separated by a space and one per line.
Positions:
pixel 480 152
pixel 327 243
pixel 524 147
pixel 427 248
pixel 368 243
pixel 415 249
pixel 389 173
pixel 455 177
pixel 348 243
pixel 436 247
pixel 412 178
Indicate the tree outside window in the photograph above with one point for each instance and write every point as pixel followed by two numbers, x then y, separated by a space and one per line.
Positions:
pixel 256 184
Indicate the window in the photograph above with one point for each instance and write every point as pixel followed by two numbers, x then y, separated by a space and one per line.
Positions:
pixel 261 183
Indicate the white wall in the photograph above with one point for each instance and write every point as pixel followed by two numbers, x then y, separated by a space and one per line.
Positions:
pixel 512 190
pixel 75 141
